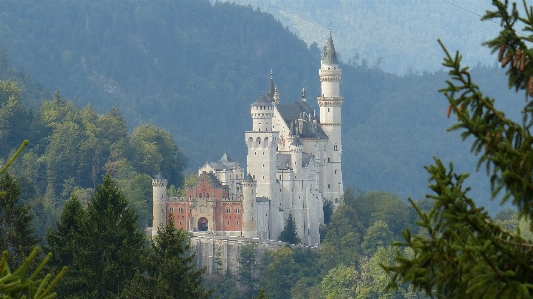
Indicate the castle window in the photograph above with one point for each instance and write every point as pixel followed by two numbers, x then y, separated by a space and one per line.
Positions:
pixel 180 222
pixel 335 171
pixel 161 196
pixel 200 195
pixel 180 210
pixel 227 223
pixel 335 148
pixel 171 209
pixel 263 177
pixel 237 211
pixel 207 195
pixel 329 186
pixel 329 160
pixel 252 218
pixel 228 210
pixel 336 200
pixel 263 165
pixel 328 109
pixel 237 222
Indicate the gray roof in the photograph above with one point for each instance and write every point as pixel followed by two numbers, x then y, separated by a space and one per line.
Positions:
pixel 284 161
pixel 261 199
pixel 330 55
pixel 305 128
pixel 262 101
pixel 224 163
pixel 296 142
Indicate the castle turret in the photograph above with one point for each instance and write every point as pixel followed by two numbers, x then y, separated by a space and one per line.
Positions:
pixel 261 159
pixel 160 198
pixel 330 120
pixel 298 206
pixel 249 217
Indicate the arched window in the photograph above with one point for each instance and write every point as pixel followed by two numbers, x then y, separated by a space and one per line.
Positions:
pixel 180 210
pixel 180 222
pixel 228 210
pixel 171 209
pixel 200 195
pixel 237 211
pixel 237 222
pixel 227 223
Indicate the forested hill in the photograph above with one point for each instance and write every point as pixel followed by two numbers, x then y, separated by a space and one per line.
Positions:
pixel 193 68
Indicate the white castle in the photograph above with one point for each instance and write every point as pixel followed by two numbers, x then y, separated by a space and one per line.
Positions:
pixel 293 166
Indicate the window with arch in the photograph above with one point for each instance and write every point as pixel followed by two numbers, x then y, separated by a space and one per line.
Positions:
pixel 329 160
pixel 180 210
pixel 228 210
pixel 200 195
pixel 335 171
pixel 237 211
pixel 171 209
pixel 329 186
pixel 237 222
pixel 181 222
pixel 227 222
pixel 335 148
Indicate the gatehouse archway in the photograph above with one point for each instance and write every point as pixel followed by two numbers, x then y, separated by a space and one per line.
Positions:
pixel 202 224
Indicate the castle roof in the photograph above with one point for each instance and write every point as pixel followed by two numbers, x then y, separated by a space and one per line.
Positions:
pixel 261 199
pixel 271 89
pixel 224 163
pixel 284 161
pixel 330 55
pixel 262 101
pixel 296 142
pixel 305 128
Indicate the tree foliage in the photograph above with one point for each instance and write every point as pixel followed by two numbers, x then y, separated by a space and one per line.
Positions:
pixel 465 253
pixel 289 234
pixel 16 233
pixel 26 283
pixel 168 269
pixel 101 244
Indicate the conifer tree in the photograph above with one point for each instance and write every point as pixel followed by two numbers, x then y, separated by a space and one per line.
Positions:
pixel 169 269
pixel 465 253
pixel 16 233
pixel 101 244
pixel 64 242
pixel 289 234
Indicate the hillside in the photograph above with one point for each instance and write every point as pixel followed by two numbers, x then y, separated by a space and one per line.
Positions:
pixel 402 35
pixel 193 68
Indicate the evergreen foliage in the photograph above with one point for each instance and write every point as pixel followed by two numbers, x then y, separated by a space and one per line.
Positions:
pixel 17 236
pixel 289 234
pixel 101 244
pixel 24 283
pixel 169 269
pixel 247 268
pixel 465 253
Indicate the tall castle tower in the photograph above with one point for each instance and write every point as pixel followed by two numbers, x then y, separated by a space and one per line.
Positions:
pixel 330 103
pixel 261 158
pixel 160 197
pixel 249 217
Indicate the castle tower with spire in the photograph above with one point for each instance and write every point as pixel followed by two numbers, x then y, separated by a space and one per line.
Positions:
pixel 330 103
pixel 261 158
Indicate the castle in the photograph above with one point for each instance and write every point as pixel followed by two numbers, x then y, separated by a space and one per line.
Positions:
pixel 293 166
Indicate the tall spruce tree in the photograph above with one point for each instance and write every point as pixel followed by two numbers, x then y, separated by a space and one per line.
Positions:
pixel 64 242
pixel 169 269
pixel 101 244
pixel 289 234
pixel 465 253
pixel 16 233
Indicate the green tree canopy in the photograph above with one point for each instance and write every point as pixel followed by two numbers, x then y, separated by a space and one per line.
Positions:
pixel 17 236
pixel 169 269
pixel 465 253
pixel 289 234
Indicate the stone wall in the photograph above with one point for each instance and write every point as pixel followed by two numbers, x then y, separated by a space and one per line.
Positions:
pixel 209 247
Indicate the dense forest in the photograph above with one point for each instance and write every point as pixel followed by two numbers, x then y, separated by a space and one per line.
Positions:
pixel 193 68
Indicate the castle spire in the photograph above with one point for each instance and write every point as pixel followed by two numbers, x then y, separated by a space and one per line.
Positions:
pixel 330 55
pixel 271 88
